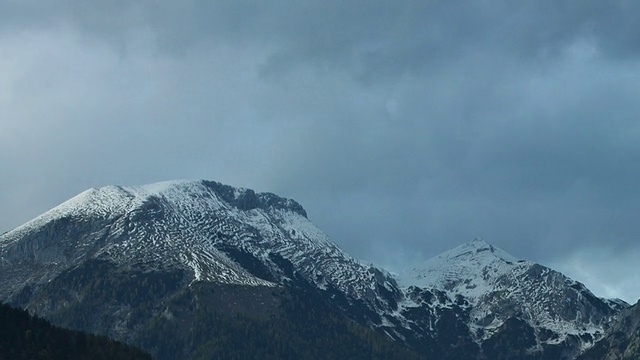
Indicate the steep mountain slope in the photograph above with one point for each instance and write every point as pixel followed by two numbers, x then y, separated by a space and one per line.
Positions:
pixel 143 264
pixel 622 341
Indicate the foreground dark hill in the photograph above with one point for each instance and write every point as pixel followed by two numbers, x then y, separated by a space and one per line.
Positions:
pixel 23 337
pixel 187 269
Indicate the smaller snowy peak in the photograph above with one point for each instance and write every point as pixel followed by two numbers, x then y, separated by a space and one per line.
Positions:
pixel 478 248
pixel 498 287
pixel 469 268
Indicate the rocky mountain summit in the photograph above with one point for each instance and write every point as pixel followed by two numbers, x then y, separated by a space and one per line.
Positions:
pixel 147 263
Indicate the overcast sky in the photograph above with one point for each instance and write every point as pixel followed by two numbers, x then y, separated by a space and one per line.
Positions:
pixel 404 128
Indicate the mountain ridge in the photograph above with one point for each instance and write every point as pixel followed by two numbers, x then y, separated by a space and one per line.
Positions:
pixel 463 303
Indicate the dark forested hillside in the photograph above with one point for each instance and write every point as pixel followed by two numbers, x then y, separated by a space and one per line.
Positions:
pixel 210 321
pixel 304 328
pixel 25 337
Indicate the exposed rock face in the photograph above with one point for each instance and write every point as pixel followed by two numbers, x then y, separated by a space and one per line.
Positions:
pixel 622 341
pixel 121 260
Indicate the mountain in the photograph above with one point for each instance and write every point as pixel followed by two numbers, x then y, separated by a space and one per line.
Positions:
pixel 143 264
pixel 559 316
pixel 217 269
pixel 192 226
pixel 23 336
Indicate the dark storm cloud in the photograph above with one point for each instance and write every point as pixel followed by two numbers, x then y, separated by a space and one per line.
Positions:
pixel 379 34
pixel 405 128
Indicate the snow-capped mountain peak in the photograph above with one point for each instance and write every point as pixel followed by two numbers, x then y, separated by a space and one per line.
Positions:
pixel 211 229
pixel 190 195
pixel 469 269
pixel 499 287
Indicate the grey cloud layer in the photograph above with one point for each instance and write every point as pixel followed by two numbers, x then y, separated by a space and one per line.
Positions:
pixel 404 127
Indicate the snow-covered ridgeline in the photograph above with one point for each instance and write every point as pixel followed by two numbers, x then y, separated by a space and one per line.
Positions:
pixel 206 227
pixel 180 221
